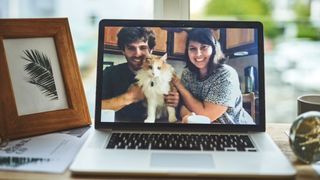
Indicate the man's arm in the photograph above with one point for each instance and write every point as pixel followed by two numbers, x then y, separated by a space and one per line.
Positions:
pixel 134 94
pixel 116 103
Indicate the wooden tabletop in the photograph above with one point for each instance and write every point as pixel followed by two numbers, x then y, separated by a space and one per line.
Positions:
pixel 275 130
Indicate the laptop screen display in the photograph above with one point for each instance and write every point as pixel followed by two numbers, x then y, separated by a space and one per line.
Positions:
pixel 179 75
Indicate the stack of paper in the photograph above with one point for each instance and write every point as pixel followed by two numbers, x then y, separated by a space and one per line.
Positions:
pixel 47 153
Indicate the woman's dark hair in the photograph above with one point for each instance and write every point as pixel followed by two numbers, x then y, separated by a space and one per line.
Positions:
pixel 203 36
pixel 129 35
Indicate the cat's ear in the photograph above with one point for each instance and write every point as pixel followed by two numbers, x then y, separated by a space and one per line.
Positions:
pixel 164 57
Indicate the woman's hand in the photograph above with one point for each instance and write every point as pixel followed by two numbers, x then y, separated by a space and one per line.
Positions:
pixel 185 113
pixel 185 118
pixel 177 82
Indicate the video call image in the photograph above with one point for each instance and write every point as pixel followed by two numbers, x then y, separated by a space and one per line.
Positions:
pixel 180 75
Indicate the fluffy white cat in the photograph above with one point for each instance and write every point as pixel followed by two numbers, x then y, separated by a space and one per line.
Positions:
pixel 154 78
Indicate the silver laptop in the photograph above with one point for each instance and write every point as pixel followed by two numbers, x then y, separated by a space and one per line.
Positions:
pixel 197 143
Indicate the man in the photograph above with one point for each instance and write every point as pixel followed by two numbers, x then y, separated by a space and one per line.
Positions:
pixel 118 91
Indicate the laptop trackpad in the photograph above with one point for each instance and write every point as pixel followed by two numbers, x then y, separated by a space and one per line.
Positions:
pixel 180 160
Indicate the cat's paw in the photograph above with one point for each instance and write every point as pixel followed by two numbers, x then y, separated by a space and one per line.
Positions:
pixel 172 119
pixel 149 120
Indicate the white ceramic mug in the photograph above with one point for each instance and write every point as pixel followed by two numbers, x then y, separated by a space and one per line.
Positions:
pixel 198 119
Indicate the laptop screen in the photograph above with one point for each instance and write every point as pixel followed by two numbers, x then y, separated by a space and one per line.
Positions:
pixel 180 74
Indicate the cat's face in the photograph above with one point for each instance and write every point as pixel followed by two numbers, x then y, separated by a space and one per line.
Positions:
pixel 155 64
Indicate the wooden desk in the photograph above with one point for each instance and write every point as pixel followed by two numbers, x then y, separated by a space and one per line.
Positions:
pixel 276 131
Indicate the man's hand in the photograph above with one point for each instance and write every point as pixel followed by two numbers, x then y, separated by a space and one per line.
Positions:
pixel 135 93
pixel 172 99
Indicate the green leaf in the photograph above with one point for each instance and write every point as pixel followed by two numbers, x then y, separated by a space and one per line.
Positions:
pixel 39 70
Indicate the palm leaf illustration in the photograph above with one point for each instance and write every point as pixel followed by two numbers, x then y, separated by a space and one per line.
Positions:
pixel 40 73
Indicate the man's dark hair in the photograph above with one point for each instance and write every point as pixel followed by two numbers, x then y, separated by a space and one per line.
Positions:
pixel 129 35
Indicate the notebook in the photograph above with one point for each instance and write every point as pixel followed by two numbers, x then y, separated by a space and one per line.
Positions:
pixel 213 119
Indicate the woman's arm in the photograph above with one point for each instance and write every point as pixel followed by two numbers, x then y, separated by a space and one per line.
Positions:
pixel 213 111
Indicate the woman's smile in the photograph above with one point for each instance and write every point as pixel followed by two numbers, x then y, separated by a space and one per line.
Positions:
pixel 200 62
pixel 199 59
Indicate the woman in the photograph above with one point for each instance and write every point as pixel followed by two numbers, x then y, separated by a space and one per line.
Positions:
pixel 208 87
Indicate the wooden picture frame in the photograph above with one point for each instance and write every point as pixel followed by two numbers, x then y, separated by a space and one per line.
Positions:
pixel 26 106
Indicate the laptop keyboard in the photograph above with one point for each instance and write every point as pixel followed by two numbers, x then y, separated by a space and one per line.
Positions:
pixel 195 142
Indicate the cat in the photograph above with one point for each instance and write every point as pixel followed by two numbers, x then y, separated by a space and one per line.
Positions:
pixel 154 78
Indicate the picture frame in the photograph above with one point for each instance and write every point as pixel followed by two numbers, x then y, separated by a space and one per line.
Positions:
pixel 41 89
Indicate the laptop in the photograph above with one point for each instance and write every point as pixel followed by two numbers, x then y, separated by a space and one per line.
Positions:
pixel 123 143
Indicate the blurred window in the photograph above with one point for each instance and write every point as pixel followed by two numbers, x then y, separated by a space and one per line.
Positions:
pixel 292 43
pixel 83 16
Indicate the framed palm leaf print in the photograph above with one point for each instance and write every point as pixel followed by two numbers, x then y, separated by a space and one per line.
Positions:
pixel 40 83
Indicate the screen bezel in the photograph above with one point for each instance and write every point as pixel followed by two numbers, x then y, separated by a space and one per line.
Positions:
pixel 260 127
